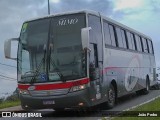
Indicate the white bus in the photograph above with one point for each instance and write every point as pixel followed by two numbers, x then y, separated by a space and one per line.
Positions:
pixel 79 60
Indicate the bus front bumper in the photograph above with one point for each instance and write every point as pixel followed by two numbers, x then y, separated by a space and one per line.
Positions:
pixel 78 99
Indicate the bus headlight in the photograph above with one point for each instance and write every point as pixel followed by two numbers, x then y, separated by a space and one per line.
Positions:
pixel 79 87
pixel 24 92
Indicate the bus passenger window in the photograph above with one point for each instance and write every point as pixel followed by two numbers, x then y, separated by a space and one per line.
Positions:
pixel 145 45
pixel 150 46
pixel 107 37
pixel 111 29
pixel 129 40
pixel 133 42
pixel 119 37
pixel 123 38
pixel 138 42
pixel 141 44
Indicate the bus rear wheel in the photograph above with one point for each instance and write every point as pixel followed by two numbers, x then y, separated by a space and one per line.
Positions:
pixel 111 97
pixel 146 90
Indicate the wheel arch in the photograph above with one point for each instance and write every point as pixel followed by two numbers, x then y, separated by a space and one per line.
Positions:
pixel 114 83
pixel 147 79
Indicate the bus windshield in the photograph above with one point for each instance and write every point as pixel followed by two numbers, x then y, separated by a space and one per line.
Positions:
pixel 52 49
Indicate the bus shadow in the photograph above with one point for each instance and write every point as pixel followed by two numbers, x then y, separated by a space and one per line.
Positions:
pixel 97 111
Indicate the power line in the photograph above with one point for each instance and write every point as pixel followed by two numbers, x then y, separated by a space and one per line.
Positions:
pixel 8 77
pixel 8 65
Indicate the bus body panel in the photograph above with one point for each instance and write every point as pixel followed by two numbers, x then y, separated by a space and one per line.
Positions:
pixel 69 100
pixel 128 68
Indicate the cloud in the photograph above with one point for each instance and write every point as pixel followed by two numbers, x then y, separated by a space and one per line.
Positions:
pixel 55 1
pixel 142 15
pixel 127 4
pixel 103 6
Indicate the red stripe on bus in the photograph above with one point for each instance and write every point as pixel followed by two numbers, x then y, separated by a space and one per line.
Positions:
pixel 55 86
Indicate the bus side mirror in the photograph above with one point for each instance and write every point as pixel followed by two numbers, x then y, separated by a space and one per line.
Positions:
pixel 85 37
pixel 7 48
pixel 157 75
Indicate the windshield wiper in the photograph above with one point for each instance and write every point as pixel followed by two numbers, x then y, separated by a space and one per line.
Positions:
pixel 26 76
pixel 54 66
pixel 39 66
pixel 57 70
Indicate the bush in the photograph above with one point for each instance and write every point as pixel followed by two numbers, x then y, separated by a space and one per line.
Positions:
pixel 2 100
pixel 12 98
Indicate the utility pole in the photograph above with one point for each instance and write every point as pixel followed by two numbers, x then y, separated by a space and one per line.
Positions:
pixel 48 8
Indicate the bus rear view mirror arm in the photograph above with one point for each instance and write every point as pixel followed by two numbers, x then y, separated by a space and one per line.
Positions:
pixel 85 37
pixel 157 75
pixel 7 48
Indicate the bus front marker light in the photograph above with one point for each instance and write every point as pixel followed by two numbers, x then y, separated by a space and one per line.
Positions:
pixel 81 104
pixel 24 92
pixel 79 87
pixel 26 106
pixel 93 99
pixel 75 88
pixel 82 87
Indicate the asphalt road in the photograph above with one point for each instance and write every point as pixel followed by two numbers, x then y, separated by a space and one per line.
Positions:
pixel 124 103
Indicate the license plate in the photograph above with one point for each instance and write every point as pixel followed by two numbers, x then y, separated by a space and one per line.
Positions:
pixel 48 102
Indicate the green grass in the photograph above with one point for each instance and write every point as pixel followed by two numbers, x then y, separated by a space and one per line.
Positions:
pixel 7 103
pixel 150 107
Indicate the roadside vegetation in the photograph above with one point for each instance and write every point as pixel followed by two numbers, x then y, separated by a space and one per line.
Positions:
pixel 150 108
pixel 10 101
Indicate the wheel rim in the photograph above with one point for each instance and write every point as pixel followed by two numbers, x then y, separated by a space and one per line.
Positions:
pixel 147 86
pixel 111 96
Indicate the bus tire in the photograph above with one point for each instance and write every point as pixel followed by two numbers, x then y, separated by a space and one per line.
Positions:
pixel 146 90
pixel 111 97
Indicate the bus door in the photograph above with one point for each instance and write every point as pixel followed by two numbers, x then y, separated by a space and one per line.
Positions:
pixel 94 73
pixel 95 58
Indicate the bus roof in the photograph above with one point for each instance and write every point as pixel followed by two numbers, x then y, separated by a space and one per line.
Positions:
pixel 97 14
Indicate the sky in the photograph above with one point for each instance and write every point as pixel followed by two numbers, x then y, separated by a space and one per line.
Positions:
pixel 141 15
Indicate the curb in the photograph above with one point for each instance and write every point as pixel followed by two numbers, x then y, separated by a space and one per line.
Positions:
pixel 141 104
pixel 11 109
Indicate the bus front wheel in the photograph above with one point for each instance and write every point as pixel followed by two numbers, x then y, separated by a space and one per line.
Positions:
pixel 111 97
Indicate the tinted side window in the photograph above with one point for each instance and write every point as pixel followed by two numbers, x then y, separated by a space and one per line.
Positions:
pixel 111 29
pixel 119 37
pixel 96 34
pixel 129 40
pixel 141 44
pixel 144 45
pixel 133 42
pixel 147 46
pixel 124 39
pixel 138 42
pixel 152 47
pixel 106 34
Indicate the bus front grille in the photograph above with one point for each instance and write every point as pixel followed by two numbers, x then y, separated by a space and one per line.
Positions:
pixel 49 92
